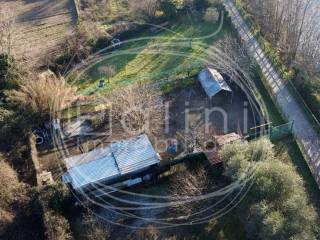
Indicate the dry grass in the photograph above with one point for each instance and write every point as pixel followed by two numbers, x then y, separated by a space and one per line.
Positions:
pixel 43 95
pixel 10 185
pixel 18 214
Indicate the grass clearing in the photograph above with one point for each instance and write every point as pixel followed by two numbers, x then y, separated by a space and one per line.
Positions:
pixel 154 57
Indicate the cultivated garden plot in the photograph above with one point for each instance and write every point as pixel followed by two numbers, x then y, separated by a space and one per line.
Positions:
pixel 40 26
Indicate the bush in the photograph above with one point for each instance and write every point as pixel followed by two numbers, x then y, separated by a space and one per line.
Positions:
pixel 55 201
pixel 9 72
pixel 43 95
pixel 57 227
pixel 95 229
pixel 276 206
pixel 13 127
pixel 211 15
pixel 57 198
pixel 168 8
pixel 201 4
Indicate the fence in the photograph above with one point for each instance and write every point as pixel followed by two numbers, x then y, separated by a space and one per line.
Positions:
pixel 275 133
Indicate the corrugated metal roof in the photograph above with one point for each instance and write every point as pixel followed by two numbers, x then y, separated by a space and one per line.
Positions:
pixel 134 154
pixel 212 82
pixel 117 159
pixel 86 157
pixel 94 171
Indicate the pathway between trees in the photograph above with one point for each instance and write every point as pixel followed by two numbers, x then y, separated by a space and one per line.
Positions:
pixel 307 137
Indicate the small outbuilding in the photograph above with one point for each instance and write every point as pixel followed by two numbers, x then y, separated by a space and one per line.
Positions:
pixel 212 82
pixel 119 162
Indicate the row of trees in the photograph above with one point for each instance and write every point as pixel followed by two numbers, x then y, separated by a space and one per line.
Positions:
pixel 276 206
pixel 292 26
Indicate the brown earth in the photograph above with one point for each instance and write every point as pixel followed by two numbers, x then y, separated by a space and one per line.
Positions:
pixel 40 26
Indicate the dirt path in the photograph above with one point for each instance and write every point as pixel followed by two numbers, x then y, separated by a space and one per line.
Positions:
pixel 306 135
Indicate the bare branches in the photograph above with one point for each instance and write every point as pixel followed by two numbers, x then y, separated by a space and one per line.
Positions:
pixel 230 57
pixel 186 185
pixel 95 228
pixel 290 24
pixel 108 70
pixel 139 108
pixel 7 31
pixel 148 7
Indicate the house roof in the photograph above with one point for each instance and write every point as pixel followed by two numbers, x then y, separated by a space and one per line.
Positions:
pixel 212 82
pixel 119 158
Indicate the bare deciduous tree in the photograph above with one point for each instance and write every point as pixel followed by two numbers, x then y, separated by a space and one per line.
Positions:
pixel 138 107
pixel 186 185
pixel 291 25
pixel 148 7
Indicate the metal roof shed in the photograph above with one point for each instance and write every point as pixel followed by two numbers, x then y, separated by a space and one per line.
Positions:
pixel 114 161
pixel 212 82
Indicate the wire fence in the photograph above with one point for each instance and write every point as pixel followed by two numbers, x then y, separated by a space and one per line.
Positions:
pixel 275 133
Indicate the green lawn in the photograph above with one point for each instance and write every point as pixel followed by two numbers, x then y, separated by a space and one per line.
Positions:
pixel 154 57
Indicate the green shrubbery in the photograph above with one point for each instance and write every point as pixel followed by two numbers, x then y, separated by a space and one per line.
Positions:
pixel 55 201
pixel 276 206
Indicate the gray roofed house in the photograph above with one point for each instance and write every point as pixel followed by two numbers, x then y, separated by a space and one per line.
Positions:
pixel 212 82
pixel 107 164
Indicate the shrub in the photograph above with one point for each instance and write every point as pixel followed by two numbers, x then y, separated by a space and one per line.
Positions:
pixel 13 127
pixel 276 206
pixel 168 8
pixel 56 197
pixel 10 72
pixel 55 201
pixel 211 15
pixel 149 233
pixel 95 228
pixel 43 95
pixel 57 227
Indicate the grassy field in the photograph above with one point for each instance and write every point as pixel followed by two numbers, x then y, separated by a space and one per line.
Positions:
pixel 154 57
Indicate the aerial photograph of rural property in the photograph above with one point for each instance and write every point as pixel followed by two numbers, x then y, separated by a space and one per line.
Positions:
pixel 159 120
